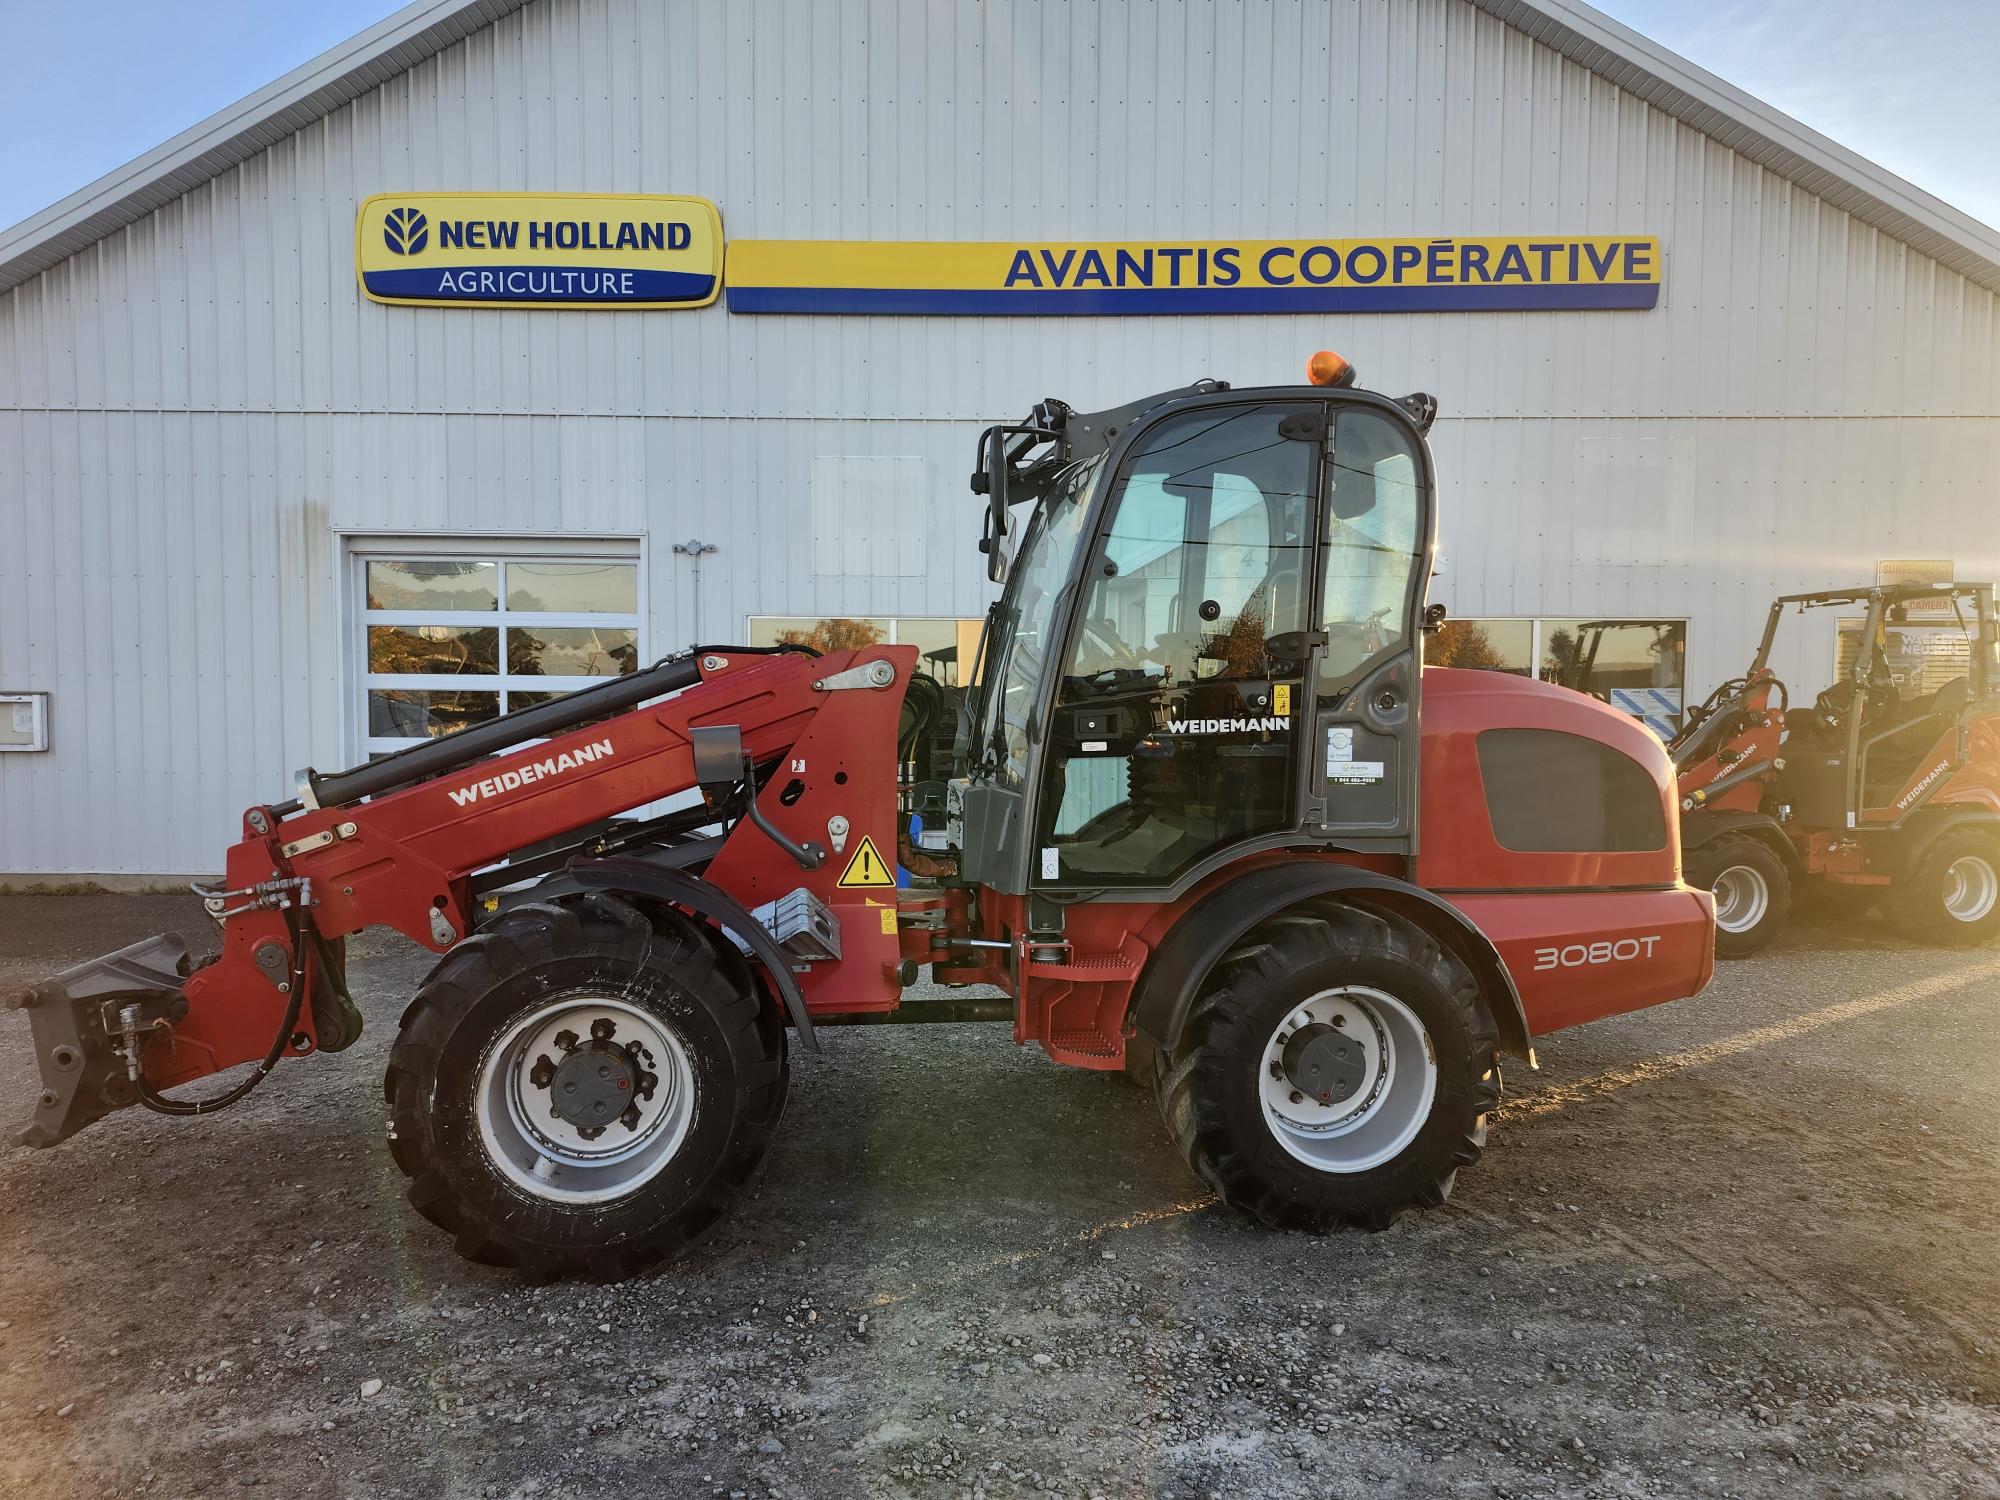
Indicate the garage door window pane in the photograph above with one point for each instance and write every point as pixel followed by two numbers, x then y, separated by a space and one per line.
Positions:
pixel 582 588
pixel 433 585
pixel 433 649
pixel 571 651
pixel 404 713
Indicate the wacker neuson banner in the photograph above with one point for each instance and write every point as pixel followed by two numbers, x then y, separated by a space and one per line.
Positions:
pixel 1109 279
pixel 559 249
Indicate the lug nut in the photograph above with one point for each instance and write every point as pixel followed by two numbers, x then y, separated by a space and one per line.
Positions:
pixel 602 1028
pixel 566 1040
pixel 1297 1097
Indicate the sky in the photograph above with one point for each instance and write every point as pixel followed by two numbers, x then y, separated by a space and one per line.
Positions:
pixel 94 83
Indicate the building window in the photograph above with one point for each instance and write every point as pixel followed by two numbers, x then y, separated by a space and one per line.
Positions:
pixel 448 641
pixel 1484 645
pixel 1636 665
pixel 1548 792
pixel 946 646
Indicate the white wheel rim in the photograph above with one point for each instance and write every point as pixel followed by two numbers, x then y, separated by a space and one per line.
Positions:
pixel 1971 887
pixel 1379 1113
pixel 1741 898
pixel 552 1157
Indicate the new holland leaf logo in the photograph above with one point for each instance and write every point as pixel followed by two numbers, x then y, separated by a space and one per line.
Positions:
pixel 406 230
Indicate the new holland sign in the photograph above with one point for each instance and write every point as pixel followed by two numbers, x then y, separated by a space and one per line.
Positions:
pixel 1440 274
pixel 538 249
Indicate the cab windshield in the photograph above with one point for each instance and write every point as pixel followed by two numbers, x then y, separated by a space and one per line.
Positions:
pixel 1029 624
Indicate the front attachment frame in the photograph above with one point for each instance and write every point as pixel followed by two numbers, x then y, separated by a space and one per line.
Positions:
pixel 79 1027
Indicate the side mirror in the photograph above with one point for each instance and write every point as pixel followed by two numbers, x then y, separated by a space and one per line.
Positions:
pixel 999 556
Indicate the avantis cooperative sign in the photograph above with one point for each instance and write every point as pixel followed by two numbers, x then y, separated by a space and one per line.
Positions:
pixel 515 249
pixel 1098 279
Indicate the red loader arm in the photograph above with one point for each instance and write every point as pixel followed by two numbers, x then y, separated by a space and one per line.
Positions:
pixel 297 885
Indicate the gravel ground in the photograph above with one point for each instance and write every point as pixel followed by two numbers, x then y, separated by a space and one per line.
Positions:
pixel 1744 1245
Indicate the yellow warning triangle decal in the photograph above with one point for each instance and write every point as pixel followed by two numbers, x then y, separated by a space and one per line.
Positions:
pixel 867 867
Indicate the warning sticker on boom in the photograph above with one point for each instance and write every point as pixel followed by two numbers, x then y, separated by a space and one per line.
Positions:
pixel 867 868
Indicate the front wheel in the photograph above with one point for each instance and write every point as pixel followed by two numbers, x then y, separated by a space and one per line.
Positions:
pixel 581 1088
pixel 1951 894
pixel 1337 1068
pixel 1753 892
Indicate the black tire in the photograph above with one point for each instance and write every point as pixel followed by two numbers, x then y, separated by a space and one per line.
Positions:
pixel 1141 1063
pixel 595 945
pixel 1751 863
pixel 1836 903
pixel 1211 1091
pixel 1920 904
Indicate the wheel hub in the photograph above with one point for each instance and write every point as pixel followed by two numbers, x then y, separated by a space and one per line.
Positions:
pixel 1324 1063
pixel 593 1085
pixel 1972 889
pixel 585 1098
pixel 1347 1079
pixel 1741 899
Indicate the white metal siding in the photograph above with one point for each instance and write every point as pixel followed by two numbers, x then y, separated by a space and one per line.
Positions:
pixel 192 408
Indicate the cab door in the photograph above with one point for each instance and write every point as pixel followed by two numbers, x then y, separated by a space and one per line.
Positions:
pixel 1375 543
pixel 1175 728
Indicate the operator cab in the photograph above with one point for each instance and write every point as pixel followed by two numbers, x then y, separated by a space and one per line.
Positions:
pixel 1207 640
pixel 1922 657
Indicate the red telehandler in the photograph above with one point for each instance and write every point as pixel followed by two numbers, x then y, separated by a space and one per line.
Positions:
pixel 1194 818
pixel 1886 789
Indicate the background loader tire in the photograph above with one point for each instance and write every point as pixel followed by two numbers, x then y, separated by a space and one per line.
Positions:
pixel 1753 892
pixel 1951 895
pixel 694 1037
pixel 1213 1091
pixel 1836 903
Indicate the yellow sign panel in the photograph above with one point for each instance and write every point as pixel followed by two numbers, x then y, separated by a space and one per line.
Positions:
pixel 538 250
pixel 1281 698
pixel 1438 273
pixel 867 867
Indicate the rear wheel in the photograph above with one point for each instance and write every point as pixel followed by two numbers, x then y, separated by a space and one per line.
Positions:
pixel 1753 892
pixel 1951 894
pixel 581 1089
pixel 1337 1069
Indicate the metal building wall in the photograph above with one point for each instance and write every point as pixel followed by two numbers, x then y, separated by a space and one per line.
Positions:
pixel 193 410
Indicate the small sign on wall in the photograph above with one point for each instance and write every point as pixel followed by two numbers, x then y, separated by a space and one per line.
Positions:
pixel 1934 571
pixel 24 721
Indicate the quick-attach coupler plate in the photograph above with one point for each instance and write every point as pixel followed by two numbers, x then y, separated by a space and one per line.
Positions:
pixel 73 1019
